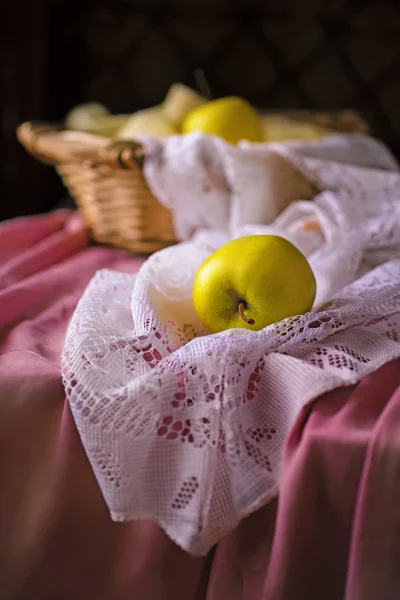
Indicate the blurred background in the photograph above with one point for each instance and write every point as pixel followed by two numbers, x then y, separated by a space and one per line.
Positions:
pixel 281 54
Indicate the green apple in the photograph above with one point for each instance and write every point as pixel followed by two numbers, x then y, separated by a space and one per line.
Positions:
pixel 252 282
pixel 232 119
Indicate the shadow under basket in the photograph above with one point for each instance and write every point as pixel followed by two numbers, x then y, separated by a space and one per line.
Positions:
pixel 105 178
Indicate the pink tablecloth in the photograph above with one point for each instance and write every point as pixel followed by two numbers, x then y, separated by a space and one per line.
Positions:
pixel 334 534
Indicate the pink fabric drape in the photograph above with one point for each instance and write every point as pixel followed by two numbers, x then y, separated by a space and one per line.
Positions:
pixel 334 533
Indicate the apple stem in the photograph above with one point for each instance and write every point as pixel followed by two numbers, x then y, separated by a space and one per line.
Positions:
pixel 241 307
pixel 202 83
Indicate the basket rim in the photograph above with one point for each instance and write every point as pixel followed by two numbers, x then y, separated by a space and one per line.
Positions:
pixel 53 144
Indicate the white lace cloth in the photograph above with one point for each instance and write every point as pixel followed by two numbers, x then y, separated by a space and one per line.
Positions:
pixel 185 428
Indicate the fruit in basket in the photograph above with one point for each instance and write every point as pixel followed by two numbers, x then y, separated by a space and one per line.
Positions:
pixel 84 116
pixel 150 122
pixel 252 282
pixel 280 128
pixel 165 119
pixel 94 118
pixel 179 102
pixel 110 125
pixel 232 119
pixel 158 121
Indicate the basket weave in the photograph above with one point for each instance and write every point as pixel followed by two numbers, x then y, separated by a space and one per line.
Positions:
pixel 106 180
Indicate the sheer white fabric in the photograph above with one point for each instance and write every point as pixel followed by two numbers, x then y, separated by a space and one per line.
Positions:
pixel 185 428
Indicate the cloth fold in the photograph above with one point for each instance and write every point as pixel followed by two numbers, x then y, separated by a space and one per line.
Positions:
pixel 56 536
pixel 157 399
pixel 209 184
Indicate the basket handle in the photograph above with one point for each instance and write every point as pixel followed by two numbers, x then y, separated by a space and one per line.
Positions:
pixel 123 154
pixel 53 144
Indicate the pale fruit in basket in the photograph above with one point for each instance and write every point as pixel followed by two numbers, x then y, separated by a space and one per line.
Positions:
pixel 179 102
pixel 85 116
pixel 166 119
pixel 252 282
pixel 109 125
pixel 280 128
pixel 232 119
pixel 150 122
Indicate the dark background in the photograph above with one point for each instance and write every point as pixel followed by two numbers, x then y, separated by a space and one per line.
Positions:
pixel 311 54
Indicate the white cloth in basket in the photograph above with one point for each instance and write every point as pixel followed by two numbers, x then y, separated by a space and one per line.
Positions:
pixel 185 428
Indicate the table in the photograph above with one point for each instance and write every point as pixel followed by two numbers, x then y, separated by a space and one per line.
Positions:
pixel 333 533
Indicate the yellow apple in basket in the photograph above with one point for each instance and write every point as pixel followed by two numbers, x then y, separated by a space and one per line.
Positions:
pixel 252 282
pixel 232 119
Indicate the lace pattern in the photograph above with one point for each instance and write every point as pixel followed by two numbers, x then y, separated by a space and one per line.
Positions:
pixel 186 428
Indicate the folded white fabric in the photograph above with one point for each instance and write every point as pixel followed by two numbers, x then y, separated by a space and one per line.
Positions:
pixel 208 183
pixel 185 428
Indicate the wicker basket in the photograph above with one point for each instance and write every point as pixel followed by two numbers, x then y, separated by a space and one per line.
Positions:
pixel 106 180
